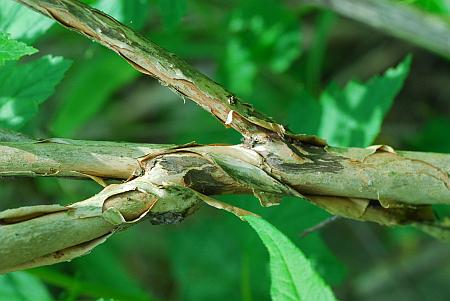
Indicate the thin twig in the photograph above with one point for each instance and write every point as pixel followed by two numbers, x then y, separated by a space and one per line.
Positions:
pixel 319 226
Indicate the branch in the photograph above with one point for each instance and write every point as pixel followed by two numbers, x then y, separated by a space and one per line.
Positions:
pixel 377 173
pixel 399 20
pixel 74 158
pixel 173 180
pixel 8 135
pixel 167 182
pixel 151 59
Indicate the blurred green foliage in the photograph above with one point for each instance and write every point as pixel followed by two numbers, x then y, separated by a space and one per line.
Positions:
pixel 91 98
pixel 22 23
pixel 132 13
pixel 259 38
pixel 285 59
pixel 21 286
pixel 23 87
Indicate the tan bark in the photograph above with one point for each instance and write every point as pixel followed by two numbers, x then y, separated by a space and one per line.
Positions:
pixel 166 182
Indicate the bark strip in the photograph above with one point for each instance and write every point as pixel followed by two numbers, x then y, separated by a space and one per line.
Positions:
pixel 390 177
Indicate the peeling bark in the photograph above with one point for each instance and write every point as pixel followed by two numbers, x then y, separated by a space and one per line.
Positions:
pixel 164 183
pixel 363 184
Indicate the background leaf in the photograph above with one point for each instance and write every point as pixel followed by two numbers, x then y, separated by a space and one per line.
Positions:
pixel 21 22
pixel 23 87
pixel 213 241
pixel 441 7
pixel 351 116
pixel 292 276
pixel 264 35
pixel 11 50
pixel 21 286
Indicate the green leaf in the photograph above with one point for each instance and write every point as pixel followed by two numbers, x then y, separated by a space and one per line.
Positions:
pixel 353 116
pixel 305 114
pixel 212 239
pixel 11 50
pixel 21 286
pixel 23 87
pixel 262 35
pixel 293 277
pixel 21 22
pixel 131 13
pixel 238 57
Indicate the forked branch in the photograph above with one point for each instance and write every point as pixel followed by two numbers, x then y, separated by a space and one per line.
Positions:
pixel 167 182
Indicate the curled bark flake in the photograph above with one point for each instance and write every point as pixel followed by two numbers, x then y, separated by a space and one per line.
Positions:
pixel 368 210
pixel 21 214
pixel 96 179
pixel 229 118
pixel 252 176
pixel 267 199
pixel 227 207
pixel 381 148
pixel 63 255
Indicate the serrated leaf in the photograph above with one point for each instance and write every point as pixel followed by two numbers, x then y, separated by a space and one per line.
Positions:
pixel 23 87
pixel 242 250
pixel 21 286
pixel 11 50
pixel 293 277
pixel 352 116
pixel 262 35
pixel 21 22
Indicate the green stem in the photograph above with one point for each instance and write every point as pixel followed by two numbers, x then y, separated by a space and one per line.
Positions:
pixel 401 21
